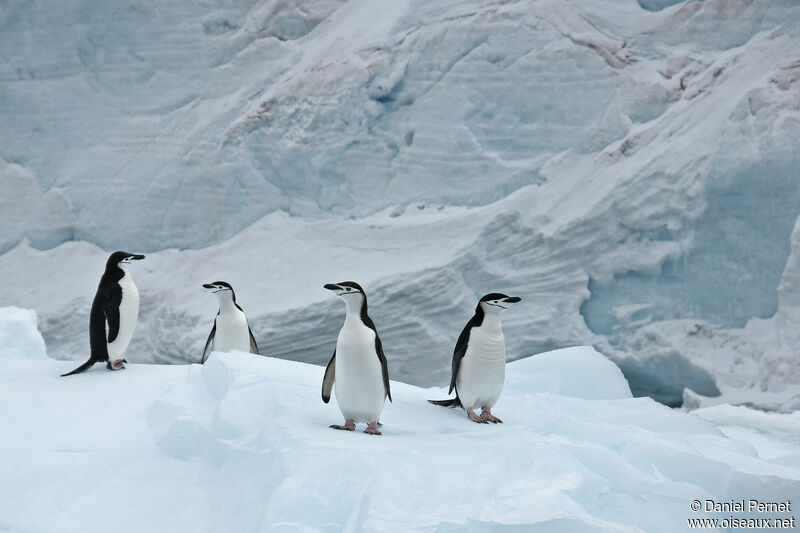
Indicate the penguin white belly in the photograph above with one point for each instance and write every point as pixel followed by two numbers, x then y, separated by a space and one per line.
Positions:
pixel 232 333
pixel 482 371
pixel 359 387
pixel 128 316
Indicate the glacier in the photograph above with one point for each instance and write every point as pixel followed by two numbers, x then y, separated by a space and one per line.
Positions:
pixel 630 170
pixel 242 444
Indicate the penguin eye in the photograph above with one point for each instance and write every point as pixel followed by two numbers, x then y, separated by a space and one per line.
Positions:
pixel 349 289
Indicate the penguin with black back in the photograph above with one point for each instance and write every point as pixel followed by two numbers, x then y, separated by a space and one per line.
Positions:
pixel 479 360
pixel 358 367
pixel 114 314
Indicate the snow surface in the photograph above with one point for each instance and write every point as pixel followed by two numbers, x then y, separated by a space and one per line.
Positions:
pixel 630 169
pixel 242 444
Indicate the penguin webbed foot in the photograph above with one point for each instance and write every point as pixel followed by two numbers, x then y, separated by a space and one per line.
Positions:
pixel 372 429
pixel 476 417
pixel 117 364
pixel 487 416
pixel 349 425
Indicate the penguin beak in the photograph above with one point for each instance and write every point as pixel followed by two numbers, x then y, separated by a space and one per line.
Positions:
pixel 137 257
pixel 208 286
pixel 340 290
pixel 513 299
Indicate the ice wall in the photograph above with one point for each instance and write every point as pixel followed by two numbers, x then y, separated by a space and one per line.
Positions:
pixel 623 169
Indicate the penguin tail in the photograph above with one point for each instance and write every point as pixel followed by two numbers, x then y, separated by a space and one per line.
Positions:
pixel 450 402
pixel 83 368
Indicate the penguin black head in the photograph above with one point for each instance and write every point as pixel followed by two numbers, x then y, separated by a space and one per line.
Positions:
pixel 345 288
pixel 122 259
pixel 220 288
pixel 497 301
pixel 353 296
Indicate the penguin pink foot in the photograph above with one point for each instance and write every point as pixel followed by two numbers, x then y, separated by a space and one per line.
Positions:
pixel 372 429
pixel 475 417
pixel 117 364
pixel 349 425
pixel 487 416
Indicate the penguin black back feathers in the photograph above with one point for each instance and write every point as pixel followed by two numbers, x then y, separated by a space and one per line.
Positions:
pixel 115 310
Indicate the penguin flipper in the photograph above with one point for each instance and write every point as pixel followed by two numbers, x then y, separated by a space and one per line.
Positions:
pixel 253 345
pixel 460 350
pixel 207 348
pixel 327 381
pixel 379 350
pixel 111 303
pixel 83 368
pixel 384 365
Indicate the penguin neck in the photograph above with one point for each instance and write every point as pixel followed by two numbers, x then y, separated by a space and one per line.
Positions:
pixel 355 304
pixel 125 272
pixel 491 320
pixel 116 272
pixel 226 304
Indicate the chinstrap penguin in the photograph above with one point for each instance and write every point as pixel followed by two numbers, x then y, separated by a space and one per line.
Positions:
pixel 357 368
pixel 231 330
pixel 479 360
pixel 115 311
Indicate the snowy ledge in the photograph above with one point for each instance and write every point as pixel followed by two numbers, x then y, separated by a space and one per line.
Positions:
pixel 242 444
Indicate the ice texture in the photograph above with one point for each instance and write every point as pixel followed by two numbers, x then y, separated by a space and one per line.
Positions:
pixel 630 170
pixel 19 335
pixel 242 443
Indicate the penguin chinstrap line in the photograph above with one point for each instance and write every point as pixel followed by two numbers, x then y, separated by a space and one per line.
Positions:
pixel 114 313
pixel 230 331
pixel 479 360
pixel 357 370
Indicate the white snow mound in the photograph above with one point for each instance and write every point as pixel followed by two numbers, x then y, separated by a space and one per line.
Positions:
pixel 579 372
pixel 19 336
pixel 242 444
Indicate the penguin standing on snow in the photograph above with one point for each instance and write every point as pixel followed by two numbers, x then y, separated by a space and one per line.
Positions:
pixel 115 311
pixel 479 360
pixel 358 365
pixel 231 330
